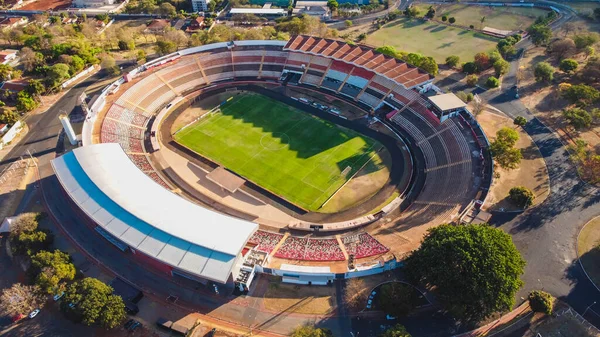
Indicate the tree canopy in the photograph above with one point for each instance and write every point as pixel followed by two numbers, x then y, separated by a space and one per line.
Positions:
pixel 94 303
pixel 540 34
pixel 581 94
pixel 53 269
pixel 521 196
pixel 20 299
pixel 503 148
pixel 311 331
pixel 397 330
pixel 398 299
pixel 543 72
pixel 473 269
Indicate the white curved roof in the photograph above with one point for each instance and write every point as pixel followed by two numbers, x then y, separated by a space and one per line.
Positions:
pixel 128 204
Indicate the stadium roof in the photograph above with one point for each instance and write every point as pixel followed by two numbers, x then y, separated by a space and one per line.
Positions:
pixel 258 11
pixel 129 205
pixel 447 101
pixel 361 56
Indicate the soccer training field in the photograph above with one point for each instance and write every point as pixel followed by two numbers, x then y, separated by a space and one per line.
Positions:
pixel 293 154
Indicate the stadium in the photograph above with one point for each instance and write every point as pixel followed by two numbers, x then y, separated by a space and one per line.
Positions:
pixel 311 159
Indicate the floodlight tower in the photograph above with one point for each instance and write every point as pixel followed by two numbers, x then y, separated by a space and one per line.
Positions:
pixel 64 120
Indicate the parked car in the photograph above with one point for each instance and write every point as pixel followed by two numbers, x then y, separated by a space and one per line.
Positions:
pixel 58 296
pixel 389 318
pixel 34 313
pixel 134 326
pixel 369 303
pixel 129 323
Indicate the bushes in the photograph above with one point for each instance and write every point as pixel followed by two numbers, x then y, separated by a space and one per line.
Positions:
pixel 541 301
pixel 469 68
pixel 581 94
pixel 472 80
pixel 543 72
pixel 568 65
pixel 521 196
pixel 464 96
pixel 501 67
pixel 578 118
pixel 492 82
pixel 452 61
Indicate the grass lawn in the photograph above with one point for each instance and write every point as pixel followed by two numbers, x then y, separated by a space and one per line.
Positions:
pixel 432 39
pixel 293 154
pixel 505 18
pixel 588 248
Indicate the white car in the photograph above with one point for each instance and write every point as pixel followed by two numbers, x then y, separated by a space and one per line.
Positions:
pixel 34 313
pixel 389 318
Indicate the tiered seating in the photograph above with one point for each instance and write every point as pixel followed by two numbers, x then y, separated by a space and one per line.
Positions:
pixel 369 99
pixel 265 241
pixel 311 79
pixel 363 245
pixel 159 180
pixel 141 161
pixel 293 248
pixel 130 98
pixel 127 116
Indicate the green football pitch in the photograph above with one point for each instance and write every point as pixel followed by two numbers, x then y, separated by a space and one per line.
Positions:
pixel 293 154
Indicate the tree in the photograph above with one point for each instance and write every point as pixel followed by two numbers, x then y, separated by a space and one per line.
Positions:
pixel 94 303
pixel 568 65
pixel 167 9
pixel 444 18
pixel 520 121
pixel 452 20
pixel 9 116
pixel 311 331
pixel 591 72
pixel 355 293
pixel 25 222
pixel 25 102
pixel 473 269
pixel 430 12
pixel 164 47
pixel 412 12
pixel 53 269
pixel 469 68
pixel 585 40
pixel 581 94
pixel 348 23
pixel 333 5
pixel 29 243
pixel 540 34
pixel 30 59
pixel 543 72
pixel 492 82
pixel 589 51
pixel 428 64
pixel 541 301
pixel 482 61
pixel 35 88
pixel 478 107
pixel 521 196
pixel 6 72
pixel 578 118
pixel 20 299
pixel 562 48
pixel 126 45
pixel 472 80
pixel 501 67
pixel 57 74
pixel 452 61
pixel 397 299
pixel 397 330
pixel 482 20
pixel 503 150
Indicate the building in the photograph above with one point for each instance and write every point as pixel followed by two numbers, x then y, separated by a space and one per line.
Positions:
pixel 157 26
pixel 12 22
pixel 446 105
pixel 178 24
pixel 269 13
pixel 92 3
pixel 200 5
pixel 13 87
pixel 157 226
pixel 8 55
pixel 196 24
pixel 313 8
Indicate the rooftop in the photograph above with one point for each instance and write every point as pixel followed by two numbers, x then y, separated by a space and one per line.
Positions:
pixel 264 11
pixel 447 102
pixel 110 189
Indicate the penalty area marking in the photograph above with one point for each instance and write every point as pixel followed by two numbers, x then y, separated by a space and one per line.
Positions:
pixel 272 145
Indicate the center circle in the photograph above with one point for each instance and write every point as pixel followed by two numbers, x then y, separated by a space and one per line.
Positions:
pixel 274 142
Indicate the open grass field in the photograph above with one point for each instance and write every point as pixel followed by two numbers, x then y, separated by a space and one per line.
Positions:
pixel 432 39
pixel 293 154
pixel 588 249
pixel 505 18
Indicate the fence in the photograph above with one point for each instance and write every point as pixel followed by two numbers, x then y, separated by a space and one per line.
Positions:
pixel 78 76
pixel 11 134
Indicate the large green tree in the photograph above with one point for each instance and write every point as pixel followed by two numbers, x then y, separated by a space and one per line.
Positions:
pixel 311 331
pixel 20 299
pixel 53 269
pixel 581 94
pixel 398 299
pixel 543 72
pixel 503 148
pixel 474 270
pixel 94 303
pixel 540 34
pixel 397 330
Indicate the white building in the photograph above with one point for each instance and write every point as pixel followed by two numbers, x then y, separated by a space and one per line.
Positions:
pixel 200 5
pixel 92 3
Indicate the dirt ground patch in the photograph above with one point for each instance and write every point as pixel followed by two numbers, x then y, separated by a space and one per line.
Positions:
pixel 588 249
pixel 44 5
pixel 300 299
pixel 531 173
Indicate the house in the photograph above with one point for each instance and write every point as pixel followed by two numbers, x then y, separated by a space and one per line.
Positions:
pixel 196 24
pixel 7 55
pixel 12 22
pixel 157 26
pixel 312 8
pixel 178 24
pixel 200 5
pixel 3 128
pixel 13 87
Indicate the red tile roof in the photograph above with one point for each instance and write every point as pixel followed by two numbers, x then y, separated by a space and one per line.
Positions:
pixel 360 56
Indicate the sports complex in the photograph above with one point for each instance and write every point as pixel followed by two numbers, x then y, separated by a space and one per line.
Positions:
pixel 310 159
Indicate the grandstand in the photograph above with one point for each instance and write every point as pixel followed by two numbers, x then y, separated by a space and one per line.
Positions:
pixel 386 87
